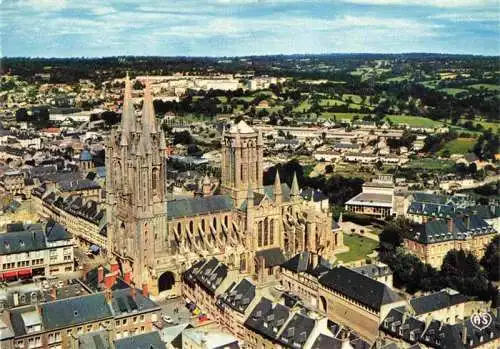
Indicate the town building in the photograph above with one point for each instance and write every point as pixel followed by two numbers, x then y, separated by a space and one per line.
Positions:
pixel 56 324
pixel 377 198
pixel 431 241
pixel 28 250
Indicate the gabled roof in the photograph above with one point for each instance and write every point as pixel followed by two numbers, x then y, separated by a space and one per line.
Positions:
pixel 124 303
pixel 238 296
pixel 150 340
pixel 358 287
pixel 297 331
pixel 22 241
pixel 268 319
pixel 72 311
pixel 272 256
pixel 197 206
pixel 436 301
pixel 302 263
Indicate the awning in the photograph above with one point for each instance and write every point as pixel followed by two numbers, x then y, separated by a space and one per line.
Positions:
pixel 24 272
pixel 10 274
pixel 94 248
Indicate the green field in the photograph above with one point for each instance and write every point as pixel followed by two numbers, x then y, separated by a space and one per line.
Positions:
pixel 430 164
pixel 397 79
pixel 359 248
pixel 487 124
pixel 341 116
pixel 355 98
pixel 459 146
pixel 329 102
pixel 302 107
pixel 413 121
pixel 453 91
pixel 490 87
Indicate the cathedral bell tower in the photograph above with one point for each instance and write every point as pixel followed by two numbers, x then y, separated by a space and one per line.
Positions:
pixel 135 189
pixel 242 161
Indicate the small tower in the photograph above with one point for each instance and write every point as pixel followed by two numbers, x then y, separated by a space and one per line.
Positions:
pixel 295 191
pixel 206 188
pixel 278 193
pixel 85 161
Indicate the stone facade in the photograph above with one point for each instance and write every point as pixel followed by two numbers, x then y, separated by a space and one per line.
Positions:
pixel 155 240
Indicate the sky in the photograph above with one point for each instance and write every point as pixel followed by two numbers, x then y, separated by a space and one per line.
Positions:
pixel 96 28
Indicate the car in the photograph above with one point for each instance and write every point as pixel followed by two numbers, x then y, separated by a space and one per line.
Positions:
pixel 167 319
pixel 171 296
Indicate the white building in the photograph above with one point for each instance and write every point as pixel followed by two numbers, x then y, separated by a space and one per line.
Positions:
pixel 28 250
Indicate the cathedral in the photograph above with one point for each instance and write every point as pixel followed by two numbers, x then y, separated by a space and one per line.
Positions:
pixel 153 240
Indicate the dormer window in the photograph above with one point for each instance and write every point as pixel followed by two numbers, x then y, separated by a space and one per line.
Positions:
pixel 6 244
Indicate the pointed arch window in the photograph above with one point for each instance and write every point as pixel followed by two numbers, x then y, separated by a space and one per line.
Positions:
pixel 266 232
pixel 271 232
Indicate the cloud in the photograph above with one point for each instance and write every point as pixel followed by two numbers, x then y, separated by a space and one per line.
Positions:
pixel 468 17
pixel 433 3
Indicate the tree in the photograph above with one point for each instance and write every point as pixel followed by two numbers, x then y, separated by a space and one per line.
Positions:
pixel 329 169
pixel 491 259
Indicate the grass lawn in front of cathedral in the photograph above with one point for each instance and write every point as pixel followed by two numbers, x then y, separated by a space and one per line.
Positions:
pixel 359 248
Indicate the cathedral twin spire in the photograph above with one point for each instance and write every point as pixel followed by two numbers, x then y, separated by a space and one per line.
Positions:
pixel 147 128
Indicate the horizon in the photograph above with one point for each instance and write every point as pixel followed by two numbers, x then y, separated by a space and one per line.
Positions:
pixel 263 55
pixel 243 28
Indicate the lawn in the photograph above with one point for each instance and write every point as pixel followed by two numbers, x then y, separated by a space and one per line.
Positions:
pixel 302 107
pixel 490 87
pixel 487 124
pixel 458 146
pixel 341 116
pixel 413 121
pixel 397 79
pixel 430 164
pixel 453 91
pixel 329 102
pixel 359 248
pixel 355 98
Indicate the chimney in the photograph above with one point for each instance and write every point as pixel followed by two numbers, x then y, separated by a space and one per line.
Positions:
pixel 128 277
pixel 145 290
pixel 100 275
pixel 132 291
pixel 467 222
pixel 450 225
pixel 53 293
pixel 314 260
pixel 15 298
pixel 108 295
pixel 109 280
pixel 115 267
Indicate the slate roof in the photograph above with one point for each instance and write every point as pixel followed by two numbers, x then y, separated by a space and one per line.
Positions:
pixel 76 185
pixel 272 256
pixel 198 206
pixel 358 287
pixel 149 340
pixel 16 319
pixel 297 331
pixel 22 241
pixel 269 193
pixel 72 311
pixel 438 230
pixel 56 232
pixel 403 326
pixel 123 303
pixel 238 296
pixel 91 280
pixel 302 263
pixel 436 301
pixel 490 333
pixel 442 336
pixel 94 340
pixel 267 318
pixel 373 270
pixel 326 342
